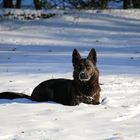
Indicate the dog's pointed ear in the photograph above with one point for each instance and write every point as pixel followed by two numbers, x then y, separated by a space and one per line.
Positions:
pixel 75 57
pixel 92 56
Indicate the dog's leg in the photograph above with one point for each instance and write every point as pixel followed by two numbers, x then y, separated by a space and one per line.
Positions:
pixel 87 100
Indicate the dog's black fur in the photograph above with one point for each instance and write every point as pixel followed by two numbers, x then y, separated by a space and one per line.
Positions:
pixel 83 88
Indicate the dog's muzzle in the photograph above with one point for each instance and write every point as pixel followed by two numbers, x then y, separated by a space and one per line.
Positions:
pixel 83 76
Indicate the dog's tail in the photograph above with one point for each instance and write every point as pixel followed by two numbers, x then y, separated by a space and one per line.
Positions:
pixel 13 95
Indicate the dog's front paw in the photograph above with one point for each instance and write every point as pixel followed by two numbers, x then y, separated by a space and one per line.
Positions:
pixel 85 99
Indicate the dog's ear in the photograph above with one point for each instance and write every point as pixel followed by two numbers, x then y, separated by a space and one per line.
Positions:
pixel 92 56
pixel 75 57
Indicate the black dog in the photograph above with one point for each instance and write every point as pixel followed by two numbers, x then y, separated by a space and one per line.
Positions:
pixel 83 88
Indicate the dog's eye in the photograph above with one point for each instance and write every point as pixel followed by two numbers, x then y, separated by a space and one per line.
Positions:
pixel 79 67
pixel 88 67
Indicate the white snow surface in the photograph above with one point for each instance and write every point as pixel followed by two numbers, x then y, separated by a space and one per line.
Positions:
pixel 36 50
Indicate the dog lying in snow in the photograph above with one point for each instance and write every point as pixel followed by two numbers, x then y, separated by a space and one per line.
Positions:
pixel 83 88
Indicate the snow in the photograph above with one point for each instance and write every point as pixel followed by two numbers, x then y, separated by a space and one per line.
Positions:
pixel 32 51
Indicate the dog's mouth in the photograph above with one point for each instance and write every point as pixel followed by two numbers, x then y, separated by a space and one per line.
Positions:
pixel 83 77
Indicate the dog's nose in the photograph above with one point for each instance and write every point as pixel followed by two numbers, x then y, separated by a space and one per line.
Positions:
pixel 82 75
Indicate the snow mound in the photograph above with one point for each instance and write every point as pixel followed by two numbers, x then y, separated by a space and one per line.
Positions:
pixel 133 112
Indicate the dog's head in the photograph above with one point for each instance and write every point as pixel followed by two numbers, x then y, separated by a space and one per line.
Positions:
pixel 84 68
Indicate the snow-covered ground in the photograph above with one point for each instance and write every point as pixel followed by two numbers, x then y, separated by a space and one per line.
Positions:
pixel 37 50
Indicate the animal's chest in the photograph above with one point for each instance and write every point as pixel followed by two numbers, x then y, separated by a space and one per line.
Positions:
pixel 85 90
